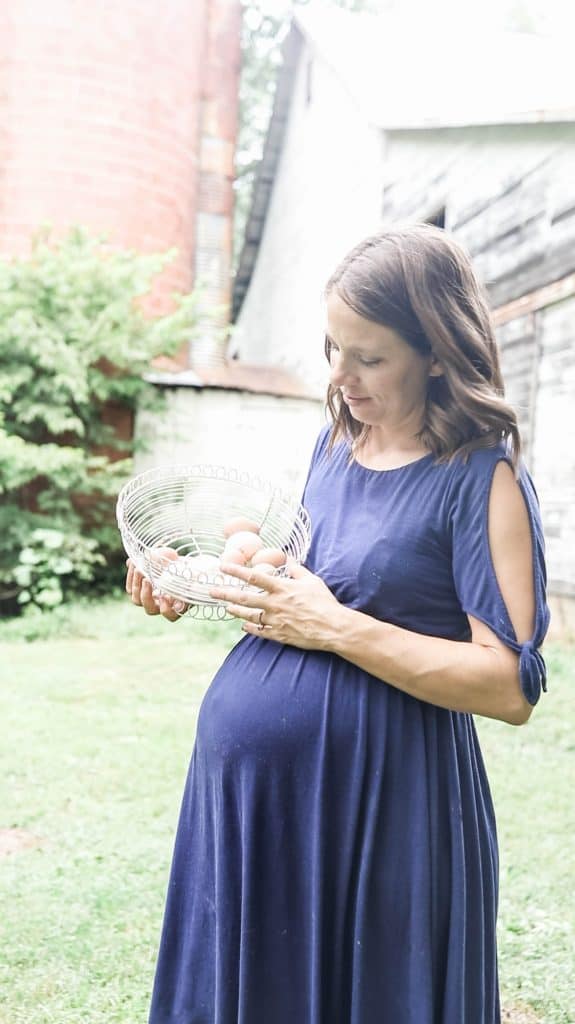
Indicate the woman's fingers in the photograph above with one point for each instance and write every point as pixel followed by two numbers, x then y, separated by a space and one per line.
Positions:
pixel 241 611
pixel 133 581
pixel 263 584
pixel 171 608
pixel 254 577
pixel 143 595
pixel 129 576
pixel 148 599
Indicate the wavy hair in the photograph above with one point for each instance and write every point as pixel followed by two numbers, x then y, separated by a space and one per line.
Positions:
pixel 418 281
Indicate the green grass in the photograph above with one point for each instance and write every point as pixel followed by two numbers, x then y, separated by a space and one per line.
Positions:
pixel 97 724
pixel 96 736
pixel 532 776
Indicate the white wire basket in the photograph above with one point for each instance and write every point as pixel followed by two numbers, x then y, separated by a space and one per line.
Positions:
pixel 186 508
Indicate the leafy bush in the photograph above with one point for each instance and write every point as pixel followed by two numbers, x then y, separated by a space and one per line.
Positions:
pixel 74 346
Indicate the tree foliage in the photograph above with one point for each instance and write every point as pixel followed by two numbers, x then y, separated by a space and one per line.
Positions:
pixel 74 344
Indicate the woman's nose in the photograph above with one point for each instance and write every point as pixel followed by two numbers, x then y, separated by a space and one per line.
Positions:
pixel 340 369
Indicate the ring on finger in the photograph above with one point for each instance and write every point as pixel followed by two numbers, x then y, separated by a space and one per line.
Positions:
pixel 260 622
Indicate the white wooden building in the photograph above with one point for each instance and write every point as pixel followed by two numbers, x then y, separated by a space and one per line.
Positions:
pixel 372 126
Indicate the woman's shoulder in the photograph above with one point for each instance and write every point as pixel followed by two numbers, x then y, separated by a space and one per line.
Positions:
pixel 482 459
pixel 472 479
pixel 476 467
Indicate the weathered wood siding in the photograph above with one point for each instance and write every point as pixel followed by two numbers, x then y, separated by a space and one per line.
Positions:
pixel 509 194
pixel 553 458
pixel 517 341
pixel 538 361
pixel 509 197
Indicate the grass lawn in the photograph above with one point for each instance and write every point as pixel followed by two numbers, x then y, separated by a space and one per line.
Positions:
pixel 96 731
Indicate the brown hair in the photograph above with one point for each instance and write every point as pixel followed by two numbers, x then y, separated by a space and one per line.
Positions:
pixel 418 281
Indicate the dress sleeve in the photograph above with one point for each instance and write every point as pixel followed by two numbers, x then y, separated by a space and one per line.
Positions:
pixel 473 571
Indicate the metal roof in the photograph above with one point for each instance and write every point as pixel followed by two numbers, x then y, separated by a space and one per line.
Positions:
pixel 443 72
pixel 235 376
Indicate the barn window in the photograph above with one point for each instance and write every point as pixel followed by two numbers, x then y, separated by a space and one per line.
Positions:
pixel 437 218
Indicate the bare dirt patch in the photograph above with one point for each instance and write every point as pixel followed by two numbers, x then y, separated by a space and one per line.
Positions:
pixel 16 840
pixel 519 1015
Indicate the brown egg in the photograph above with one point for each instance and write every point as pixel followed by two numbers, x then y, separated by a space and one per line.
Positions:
pixel 271 556
pixel 238 525
pixel 234 556
pixel 244 541
pixel 159 556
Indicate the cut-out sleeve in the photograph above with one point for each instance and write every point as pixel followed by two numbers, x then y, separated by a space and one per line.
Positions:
pixel 473 571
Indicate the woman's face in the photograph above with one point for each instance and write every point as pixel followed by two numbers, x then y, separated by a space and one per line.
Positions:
pixel 382 379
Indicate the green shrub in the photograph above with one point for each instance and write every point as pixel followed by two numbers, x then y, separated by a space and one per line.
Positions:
pixel 74 342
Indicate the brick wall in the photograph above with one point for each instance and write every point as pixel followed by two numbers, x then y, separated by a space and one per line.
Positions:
pixel 101 109
pixel 217 134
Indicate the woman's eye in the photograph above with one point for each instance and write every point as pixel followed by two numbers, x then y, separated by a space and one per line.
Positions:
pixel 370 362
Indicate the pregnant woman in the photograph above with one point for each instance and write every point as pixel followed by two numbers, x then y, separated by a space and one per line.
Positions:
pixel 336 855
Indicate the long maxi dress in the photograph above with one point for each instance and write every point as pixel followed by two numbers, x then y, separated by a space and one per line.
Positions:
pixel 336 855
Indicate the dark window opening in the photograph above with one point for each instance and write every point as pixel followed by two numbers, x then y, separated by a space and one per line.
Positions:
pixel 437 218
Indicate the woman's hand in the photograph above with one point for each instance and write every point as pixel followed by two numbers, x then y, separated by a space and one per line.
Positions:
pixel 141 591
pixel 298 609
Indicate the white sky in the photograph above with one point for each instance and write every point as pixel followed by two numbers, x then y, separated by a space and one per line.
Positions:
pixel 549 16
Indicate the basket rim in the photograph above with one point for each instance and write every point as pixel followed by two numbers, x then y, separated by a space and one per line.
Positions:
pixel 182 471
pixel 207 471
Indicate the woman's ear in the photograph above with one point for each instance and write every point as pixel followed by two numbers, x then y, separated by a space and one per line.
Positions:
pixel 435 367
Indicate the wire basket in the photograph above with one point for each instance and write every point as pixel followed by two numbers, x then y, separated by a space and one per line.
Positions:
pixel 185 508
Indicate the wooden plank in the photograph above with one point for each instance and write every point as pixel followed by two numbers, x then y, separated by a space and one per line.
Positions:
pixel 517 345
pixel 538 299
pixel 554 440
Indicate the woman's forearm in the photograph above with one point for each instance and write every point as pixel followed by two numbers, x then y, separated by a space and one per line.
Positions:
pixel 460 676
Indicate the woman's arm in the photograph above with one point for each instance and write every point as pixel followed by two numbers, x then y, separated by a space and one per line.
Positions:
pixel 481 676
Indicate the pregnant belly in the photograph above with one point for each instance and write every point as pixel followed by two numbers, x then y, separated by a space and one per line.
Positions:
pixel 270 703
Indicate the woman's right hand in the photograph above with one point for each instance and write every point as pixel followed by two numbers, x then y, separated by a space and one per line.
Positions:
pixel 141 591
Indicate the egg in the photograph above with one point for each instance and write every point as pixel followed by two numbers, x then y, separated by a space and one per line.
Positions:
pixel 271 556
pixel 244 541
pixel 166 567
pixel 240 525
pixel 233 556
pixel 159 556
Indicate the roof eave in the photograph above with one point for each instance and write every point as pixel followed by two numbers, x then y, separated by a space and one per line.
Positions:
pixel 482 121
pixel 265 175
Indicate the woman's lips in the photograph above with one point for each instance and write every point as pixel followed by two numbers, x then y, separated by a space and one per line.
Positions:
pixel 354 399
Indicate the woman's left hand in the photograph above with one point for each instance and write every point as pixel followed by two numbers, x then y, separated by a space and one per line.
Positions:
pixel 297 609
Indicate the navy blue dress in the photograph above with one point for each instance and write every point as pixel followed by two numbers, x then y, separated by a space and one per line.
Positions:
pixel 336 855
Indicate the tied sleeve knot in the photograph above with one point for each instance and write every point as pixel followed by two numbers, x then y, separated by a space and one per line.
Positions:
pixel 532 672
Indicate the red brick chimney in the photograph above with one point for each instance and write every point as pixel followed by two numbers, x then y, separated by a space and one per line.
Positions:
pixel 122 117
